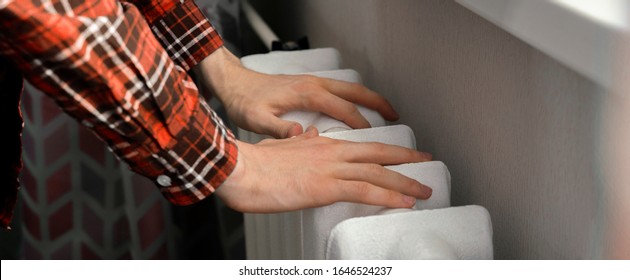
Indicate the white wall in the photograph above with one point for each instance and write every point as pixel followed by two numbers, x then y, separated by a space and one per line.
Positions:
pixel 518 131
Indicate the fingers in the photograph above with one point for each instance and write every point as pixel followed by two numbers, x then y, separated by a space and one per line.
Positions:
pixel 294 129
pixel 363 192
pixel 279 128
pixel 380 176
pixel 337 108
pixel 381 154
pixel 310 132
pixel 359 94
pixel 310 171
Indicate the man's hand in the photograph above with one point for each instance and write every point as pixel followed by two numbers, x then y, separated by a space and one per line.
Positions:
pixel 255 101
pixel 310 170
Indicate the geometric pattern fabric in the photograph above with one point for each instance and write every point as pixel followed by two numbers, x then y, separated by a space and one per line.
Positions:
pixel 78 200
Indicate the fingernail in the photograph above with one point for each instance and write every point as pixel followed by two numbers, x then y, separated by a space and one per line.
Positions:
pixel 409 200
pixel 427 191
pixel 294 130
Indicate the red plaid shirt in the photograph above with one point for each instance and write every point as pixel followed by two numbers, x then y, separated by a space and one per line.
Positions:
pixel 120 68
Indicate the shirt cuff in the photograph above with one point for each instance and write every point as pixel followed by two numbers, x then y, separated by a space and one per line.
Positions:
pixel 197 160
pixel 183 30
pixel 201 159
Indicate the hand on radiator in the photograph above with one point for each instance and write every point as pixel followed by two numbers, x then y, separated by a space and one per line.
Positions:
pixel 255 101
pixel 310 171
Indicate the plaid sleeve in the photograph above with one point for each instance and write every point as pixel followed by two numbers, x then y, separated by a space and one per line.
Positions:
pixel 103 66
pixel 181 28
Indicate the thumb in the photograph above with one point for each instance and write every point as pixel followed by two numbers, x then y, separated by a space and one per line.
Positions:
pixel 279 128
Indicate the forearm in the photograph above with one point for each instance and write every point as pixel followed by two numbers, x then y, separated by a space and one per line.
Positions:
pixel 120 82
pixel 221 73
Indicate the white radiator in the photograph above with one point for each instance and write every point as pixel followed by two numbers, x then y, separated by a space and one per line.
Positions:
pixel 355 231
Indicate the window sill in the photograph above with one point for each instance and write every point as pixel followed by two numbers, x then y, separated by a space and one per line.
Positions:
pixel 584 38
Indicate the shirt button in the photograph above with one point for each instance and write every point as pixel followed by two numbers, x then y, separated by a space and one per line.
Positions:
pixel 164 181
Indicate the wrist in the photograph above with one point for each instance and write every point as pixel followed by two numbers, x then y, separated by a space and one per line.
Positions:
pixel 218 72
pixel 231 191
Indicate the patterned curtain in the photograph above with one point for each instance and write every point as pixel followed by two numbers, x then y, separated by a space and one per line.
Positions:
pixel 79 202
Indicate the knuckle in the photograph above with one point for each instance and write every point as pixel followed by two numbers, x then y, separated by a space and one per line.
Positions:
pixel 356 87
pixel 322 140
pixel 376 147
pixel 380 100
pixel 327 140
pixel 311 79
pixel 393 196
pixel 410 181
pixel 323 194
pixel 410 184
pixel 377 170
pixel 362 190
pixel 352 109
pixel 337 145
pixel 305 84
pixel 309 99
pixel 320 82
pixel 412 154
